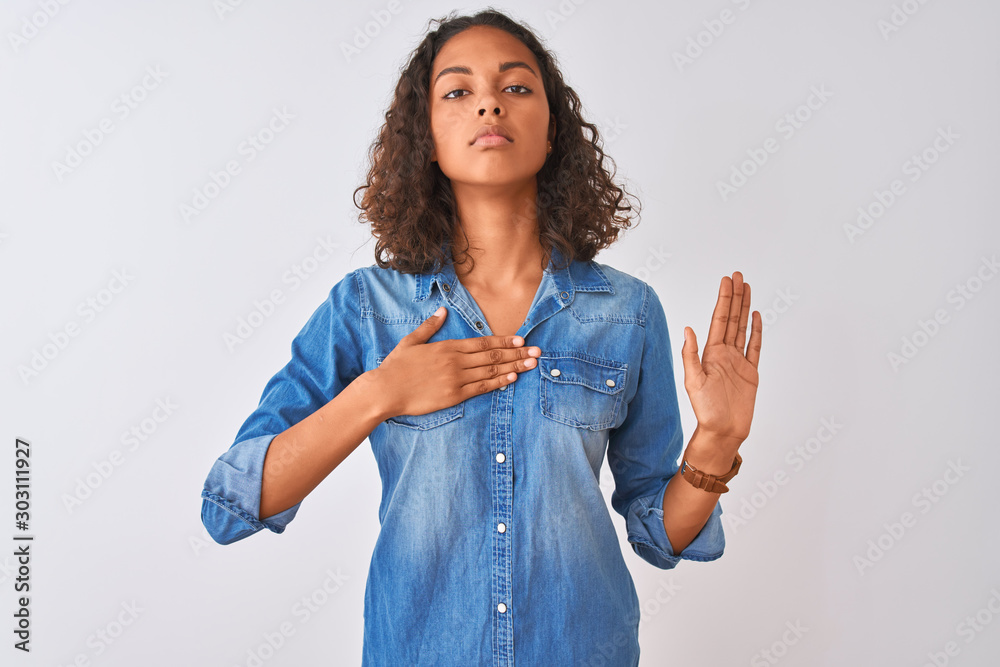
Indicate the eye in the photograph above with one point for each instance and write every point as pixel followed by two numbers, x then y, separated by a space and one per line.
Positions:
pixel 448 95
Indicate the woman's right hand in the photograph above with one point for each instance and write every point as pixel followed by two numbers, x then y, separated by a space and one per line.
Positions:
pixel 418 377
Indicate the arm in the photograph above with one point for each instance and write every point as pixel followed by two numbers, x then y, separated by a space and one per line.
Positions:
pixel 310 389
pixel 303 455
pixel 644 453
pixel 685 508
pixel 723 389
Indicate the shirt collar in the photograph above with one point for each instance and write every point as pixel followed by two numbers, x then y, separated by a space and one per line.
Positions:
pixel 576 277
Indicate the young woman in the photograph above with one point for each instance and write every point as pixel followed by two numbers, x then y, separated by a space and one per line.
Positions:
pixel 492 363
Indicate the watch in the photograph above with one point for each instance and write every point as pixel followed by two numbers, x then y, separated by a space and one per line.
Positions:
pixel 710 483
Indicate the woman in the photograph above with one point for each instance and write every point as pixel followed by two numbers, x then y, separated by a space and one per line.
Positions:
pixel 491 363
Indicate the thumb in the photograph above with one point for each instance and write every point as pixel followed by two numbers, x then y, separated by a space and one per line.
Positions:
pixel 689 354
pixel 428 327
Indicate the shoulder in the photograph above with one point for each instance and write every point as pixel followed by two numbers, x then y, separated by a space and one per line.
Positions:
pixel 629 293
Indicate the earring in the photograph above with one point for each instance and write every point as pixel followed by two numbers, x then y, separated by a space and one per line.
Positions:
pixel 550 147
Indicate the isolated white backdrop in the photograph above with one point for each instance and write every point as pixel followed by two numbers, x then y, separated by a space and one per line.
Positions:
pixel 894 76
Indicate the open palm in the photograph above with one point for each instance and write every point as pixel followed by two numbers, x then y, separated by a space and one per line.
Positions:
pixel 723 385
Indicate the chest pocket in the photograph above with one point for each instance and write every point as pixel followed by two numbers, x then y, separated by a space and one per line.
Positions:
pixel 429 420
pixel 581 391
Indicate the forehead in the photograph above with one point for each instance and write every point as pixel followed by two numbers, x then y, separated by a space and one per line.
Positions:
pixel 481 48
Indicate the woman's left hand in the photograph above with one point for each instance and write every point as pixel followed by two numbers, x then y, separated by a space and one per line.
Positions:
pixel 723 385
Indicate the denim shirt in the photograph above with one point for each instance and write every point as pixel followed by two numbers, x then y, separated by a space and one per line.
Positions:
pixel 496 542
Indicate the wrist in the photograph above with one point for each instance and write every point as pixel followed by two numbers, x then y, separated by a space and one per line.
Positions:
pixel 370 384
pixel 710 454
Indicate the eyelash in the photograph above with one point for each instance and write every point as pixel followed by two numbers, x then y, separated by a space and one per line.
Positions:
pixel 513 85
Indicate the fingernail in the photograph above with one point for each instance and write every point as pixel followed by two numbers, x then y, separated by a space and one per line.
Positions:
pixel 439 311
pixel 518 340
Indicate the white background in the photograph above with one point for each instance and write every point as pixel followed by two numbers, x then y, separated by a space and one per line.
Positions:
pixel 836 308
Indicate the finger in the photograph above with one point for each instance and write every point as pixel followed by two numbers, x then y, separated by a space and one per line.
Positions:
pixel 427 328
pixel 741 335
pixel 491 372
pixel 735 304
pixel 480 350
pixel 487 384
pixel 501 360
pixel 689 356
pixel 720 317
pixel 756 333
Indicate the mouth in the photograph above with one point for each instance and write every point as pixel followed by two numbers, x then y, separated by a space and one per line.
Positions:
pixel 491 140
pixel 492 135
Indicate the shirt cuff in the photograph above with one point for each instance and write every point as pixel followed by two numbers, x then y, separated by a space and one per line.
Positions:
pixel 231 495
pixel 649 539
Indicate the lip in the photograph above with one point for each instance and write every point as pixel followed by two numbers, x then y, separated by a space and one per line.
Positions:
pixel 492 133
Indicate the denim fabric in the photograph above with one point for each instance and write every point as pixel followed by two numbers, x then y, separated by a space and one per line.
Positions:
pixel 496 542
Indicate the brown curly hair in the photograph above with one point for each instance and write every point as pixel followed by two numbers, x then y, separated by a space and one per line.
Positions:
pixel 409 201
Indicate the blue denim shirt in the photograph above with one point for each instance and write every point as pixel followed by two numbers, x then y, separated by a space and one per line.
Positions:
pixel 496 542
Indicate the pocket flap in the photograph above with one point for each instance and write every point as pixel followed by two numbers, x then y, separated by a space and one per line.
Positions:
pixel 607 377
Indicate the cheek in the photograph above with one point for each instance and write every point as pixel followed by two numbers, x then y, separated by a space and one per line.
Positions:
pixel 446 132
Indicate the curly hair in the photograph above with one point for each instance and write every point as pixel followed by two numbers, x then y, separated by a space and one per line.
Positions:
pixel 409 201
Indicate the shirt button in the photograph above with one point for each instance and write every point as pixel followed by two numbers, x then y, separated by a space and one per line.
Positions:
pixel 555 373
pixel 610 383
pixel 564 295
pixel 501 458
pixel 479 325
pixel 501 607
pixel 501 528
pixel 503 388
pixel 447 287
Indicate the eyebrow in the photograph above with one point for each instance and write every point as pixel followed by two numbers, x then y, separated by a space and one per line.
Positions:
pixel 461 69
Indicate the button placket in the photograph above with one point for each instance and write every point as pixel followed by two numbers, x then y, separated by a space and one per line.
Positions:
pixel 501 415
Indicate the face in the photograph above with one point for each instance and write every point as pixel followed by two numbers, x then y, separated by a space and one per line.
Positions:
pixel 486 76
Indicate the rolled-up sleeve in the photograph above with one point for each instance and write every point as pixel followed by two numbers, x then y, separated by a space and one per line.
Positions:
pixel 644 454
pixel 326 357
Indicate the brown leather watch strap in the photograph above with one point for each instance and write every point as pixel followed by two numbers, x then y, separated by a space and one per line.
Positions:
pixel 710 483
